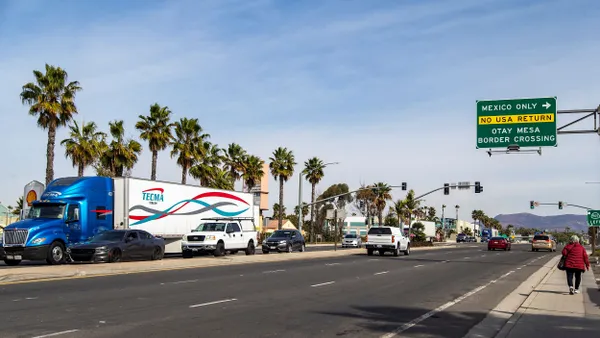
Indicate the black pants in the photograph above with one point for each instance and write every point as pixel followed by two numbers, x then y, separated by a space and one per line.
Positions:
pixel 577 274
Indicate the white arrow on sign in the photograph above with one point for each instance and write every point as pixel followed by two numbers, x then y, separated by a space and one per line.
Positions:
pixel 546 105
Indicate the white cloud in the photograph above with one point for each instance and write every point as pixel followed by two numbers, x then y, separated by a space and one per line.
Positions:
pixel 389 93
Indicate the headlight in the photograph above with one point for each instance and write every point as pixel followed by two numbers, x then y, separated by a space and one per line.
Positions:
pixel 101 249
pixel 184 238
pixel 210 238
pixel 282 242
pixel 38 240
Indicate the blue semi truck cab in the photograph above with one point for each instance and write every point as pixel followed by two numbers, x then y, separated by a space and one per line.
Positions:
pixel 71 210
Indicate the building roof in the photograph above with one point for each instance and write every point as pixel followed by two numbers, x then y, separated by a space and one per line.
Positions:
pixel 272 225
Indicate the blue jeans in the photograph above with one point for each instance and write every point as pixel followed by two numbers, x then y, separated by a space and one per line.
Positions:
pixel 577 274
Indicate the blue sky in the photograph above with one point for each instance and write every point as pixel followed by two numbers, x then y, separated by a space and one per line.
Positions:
pixel 387 88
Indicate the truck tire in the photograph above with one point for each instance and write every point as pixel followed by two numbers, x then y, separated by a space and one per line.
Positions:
pixel 56 253
pixel 397 251
pixel 250 249
pixel 369 252
pixel 187 253
pixel 407 251
pixel 12 262
pixel 219 250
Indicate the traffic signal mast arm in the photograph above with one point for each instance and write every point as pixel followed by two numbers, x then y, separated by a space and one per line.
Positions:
pixel 442 188
pixel 566 204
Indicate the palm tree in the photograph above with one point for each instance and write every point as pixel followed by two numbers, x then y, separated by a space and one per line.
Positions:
pixel 365 198
pixel 314 172
pixel 278 209
pixel 398 208
pixel 282 168
pixel 221 180
pixel 156 129
pixel 19 207
pixel 188 145
pixel 304 210
pixel 82 146
pixel 252 171
pixel 382 196
pixel 121 154
pixel 205 169
pixel 235 157
pixel 52 101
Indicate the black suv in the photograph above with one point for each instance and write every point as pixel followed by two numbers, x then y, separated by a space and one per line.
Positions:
pixel 284 241
pixel 461 238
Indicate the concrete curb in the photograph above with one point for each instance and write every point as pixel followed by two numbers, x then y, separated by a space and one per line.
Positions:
pixel 501 319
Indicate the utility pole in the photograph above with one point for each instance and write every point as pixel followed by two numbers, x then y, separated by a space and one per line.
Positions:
pixel 444 222
pixel 335 235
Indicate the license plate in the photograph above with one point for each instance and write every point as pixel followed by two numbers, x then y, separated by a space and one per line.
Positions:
pixel 194 249
pixel 17 257
pixel 272 247
pixel 379 246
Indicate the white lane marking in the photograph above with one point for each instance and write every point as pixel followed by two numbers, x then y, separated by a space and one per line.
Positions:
pixel 273 271
pixel 418 266
pixel 444 261
pixel 380 273
pixel 181 282
pixel 374 259
pixel 213 303
pixel 467 257
pixel 441 308
pixel 322 284
pixel 519 268
pixel 330 264
pixel 55 334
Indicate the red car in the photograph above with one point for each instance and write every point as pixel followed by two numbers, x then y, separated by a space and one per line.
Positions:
pixel 498 243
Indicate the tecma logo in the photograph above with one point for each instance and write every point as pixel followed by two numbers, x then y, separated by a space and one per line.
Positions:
pixel 153 195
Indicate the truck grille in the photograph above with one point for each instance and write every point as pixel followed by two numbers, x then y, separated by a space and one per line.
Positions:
pixel 195 238
pixel 15 236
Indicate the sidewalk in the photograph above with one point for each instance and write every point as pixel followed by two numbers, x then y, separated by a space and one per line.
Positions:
pixel 550 311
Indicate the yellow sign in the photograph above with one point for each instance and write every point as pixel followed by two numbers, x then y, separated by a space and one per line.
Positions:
pixel 510 119
pixel 31 196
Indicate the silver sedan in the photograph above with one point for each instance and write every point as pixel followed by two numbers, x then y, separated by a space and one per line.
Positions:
pixel 351 241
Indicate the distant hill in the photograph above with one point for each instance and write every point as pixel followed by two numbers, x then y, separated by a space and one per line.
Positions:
pixel 558 222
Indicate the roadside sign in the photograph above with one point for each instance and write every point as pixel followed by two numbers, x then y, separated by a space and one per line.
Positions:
pixel 593 218
pixel 516 122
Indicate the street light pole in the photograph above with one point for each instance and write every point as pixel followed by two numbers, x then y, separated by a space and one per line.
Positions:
pixel 443 221
pixel 300 216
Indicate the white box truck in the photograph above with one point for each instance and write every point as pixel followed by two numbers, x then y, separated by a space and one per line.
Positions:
pixel 172 210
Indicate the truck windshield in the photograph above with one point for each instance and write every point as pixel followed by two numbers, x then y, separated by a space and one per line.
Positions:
pixel 211 227
pixel 47 210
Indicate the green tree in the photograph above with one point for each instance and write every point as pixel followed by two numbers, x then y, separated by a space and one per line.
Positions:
pixel 431 214
pixel 365 199
pixel 314 173
pixel 156 130
pixel 221 180
pixel 382 193
pixel 83 145
pixel 279 209
pixel 206 168
pixel 418 231
pixel 304 210
pixel 235 158
pixel 121 154
pixel 19 207
pixel 52 100
pixel 390 220
pixel 188 145
pixel 252 171
pixel 282 168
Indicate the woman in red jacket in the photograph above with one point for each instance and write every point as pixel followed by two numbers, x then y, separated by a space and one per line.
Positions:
pixel 576 262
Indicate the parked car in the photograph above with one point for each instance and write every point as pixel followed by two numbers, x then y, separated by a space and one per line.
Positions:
pixel 471 239
pixel 118 245
pixel 220 235
pixel 461 238
pixel 284 241
pixel 382 239
pixel 499 243
pixel 351 241
pixel 543 242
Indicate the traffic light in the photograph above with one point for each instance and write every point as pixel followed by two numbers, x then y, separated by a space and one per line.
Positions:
pixel 478 187
pixel 404 186
pixel 531 206
pixel 446 188
pixel 560 204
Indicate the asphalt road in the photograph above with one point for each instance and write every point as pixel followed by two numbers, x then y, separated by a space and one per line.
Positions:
pixel 309 247
pixel 431 293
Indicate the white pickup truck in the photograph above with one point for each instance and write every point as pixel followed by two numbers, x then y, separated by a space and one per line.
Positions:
pixel 382 239
pixel 220 235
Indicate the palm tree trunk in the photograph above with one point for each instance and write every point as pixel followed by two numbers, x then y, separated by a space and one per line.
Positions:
pixel 184 174
pixel 311 233
pixel 380 217
pixel 280 218
pixel 80 170
pixel 50 154
pixel 154 161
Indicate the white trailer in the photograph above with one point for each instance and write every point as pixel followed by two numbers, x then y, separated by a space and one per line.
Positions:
pixel 171 210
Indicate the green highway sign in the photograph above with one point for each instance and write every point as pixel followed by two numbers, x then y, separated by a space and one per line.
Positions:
pixel 517 122
pixel 593 218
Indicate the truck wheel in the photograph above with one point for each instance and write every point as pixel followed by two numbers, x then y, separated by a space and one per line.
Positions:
pixel 407 251
pixel 397 251
pixel 56 253
pixel 220 250
pixel 250 250
pixel 369 252
pixel 12 262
